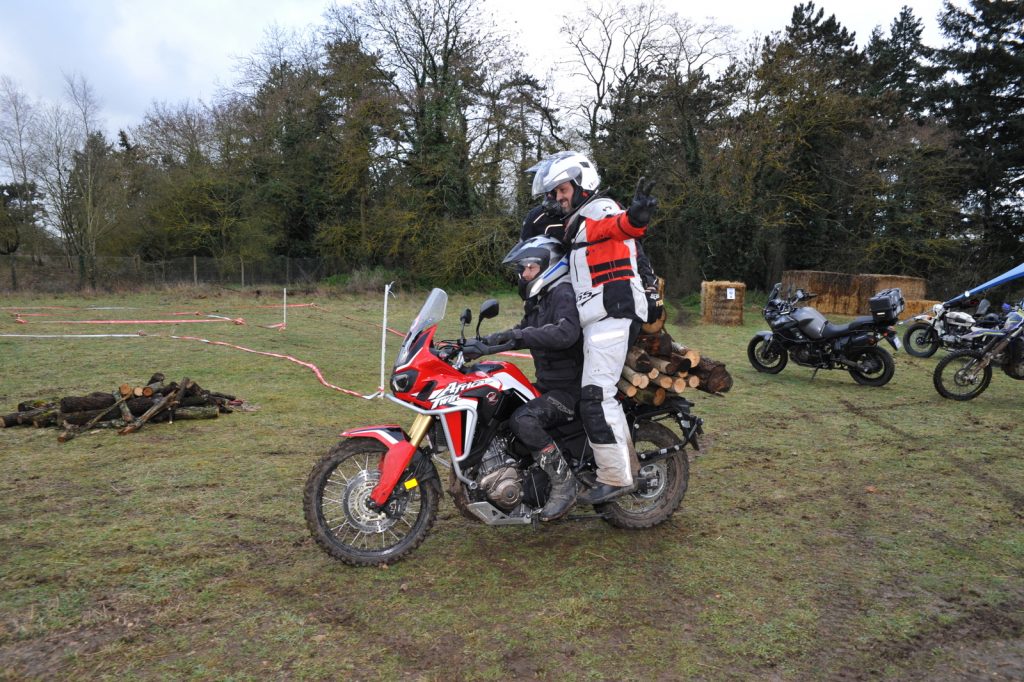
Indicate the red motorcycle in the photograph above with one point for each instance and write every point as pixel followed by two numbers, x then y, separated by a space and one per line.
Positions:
pixel 374 497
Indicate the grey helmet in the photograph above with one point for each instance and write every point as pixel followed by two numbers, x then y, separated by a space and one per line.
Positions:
pixel 567 166
pixel 549 254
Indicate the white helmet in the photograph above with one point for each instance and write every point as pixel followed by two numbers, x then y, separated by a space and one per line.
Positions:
pixel 566 167
pixel 548 253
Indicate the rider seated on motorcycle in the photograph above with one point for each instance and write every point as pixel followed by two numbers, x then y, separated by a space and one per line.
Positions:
pixel 550 328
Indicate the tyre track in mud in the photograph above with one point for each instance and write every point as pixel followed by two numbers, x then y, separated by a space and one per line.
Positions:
pixel 843 602
pixel 979 623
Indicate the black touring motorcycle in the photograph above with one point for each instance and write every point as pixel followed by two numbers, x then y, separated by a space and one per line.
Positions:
pixel 805 335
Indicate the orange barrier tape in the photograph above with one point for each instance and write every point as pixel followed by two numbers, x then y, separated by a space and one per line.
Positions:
pixel 219 319
pixel 308 365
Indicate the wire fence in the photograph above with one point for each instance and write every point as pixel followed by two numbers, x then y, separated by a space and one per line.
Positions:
pixel 55 274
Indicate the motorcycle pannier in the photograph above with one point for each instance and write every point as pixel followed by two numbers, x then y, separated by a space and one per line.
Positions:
pixel 887 305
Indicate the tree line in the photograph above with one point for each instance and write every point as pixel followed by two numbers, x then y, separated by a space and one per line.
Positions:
pixel 396 134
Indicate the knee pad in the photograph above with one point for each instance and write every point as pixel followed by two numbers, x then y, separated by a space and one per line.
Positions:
pixel 592 414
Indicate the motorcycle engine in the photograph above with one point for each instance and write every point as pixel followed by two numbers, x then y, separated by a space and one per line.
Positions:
pixel 498 476
pixel 807 355
pixel 956 325
pixel 1014 364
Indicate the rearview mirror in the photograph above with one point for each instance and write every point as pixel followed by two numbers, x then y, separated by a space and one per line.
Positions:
pixel 488 309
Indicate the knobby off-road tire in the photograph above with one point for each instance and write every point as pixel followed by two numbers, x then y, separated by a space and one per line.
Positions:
pixel 334 501
pixel 669 476
pixel 956 378
pixel 920 340
pixel 766 356
pixel 879 358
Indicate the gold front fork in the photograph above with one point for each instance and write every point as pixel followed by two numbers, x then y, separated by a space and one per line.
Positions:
pixel 418 430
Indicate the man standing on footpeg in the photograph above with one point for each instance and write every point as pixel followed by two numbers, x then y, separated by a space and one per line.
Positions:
pixel 610 298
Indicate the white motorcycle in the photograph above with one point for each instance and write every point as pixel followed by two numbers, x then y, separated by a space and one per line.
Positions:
pixel 948 328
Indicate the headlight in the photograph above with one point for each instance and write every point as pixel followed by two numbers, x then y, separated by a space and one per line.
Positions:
pixel 403 381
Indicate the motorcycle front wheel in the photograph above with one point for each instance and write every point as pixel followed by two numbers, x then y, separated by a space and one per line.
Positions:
pixel 874 366
pixel 959 377
pixel 921 340
pixel 766 356
pixel 334 501
pixel 661 485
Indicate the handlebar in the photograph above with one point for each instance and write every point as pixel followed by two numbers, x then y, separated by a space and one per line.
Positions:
pixel 475 348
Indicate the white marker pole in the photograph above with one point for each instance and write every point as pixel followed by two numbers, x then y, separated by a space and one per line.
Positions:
pixel 384 337
pixel 284 307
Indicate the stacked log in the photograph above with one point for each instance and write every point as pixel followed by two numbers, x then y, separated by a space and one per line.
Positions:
pixel 128 408
pixel 658 367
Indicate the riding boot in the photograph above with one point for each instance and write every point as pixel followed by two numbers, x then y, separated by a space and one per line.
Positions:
pixel 563 483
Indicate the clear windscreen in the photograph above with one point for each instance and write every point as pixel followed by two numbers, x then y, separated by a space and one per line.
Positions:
pixel 430 314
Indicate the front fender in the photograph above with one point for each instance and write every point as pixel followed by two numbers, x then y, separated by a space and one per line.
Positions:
pixel 766 335
pixel 388 434
pixel 401 453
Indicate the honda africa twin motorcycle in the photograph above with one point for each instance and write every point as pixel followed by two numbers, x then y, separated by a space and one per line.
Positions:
pixel 374 497
pixel 806 336
pixel 946 328
pixel 965 374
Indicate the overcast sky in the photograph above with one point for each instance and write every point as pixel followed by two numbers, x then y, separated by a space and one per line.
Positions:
pixel 135 52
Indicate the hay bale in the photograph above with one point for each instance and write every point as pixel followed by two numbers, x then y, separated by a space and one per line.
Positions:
pixel 912 287
pixel 841 293
pixel 715 305
pixel 916 307
pixel 837 291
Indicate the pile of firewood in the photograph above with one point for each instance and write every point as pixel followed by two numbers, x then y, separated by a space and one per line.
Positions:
pixel 657 367
pixel 127 409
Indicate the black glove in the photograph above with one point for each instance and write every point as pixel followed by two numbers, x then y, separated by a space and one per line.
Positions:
pixel 473 349
pixel 552 208
pixel 642 208
pixel 498 338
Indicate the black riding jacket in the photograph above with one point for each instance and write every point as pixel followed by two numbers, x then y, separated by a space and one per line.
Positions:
pixel 550 328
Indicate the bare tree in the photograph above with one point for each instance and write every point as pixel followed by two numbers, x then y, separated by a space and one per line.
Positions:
pixel 620 45
pixel 16 119
pixel 74 168
pixel 17 115
pixel 55 140
pixel 179 135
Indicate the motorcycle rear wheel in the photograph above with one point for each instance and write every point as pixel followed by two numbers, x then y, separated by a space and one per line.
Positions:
pixel 334 502
pixel 766 356
pixel 880 366
pixel 920 340
pixel 664 483
pixel 957 377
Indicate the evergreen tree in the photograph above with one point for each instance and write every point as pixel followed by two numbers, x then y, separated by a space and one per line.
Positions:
pixel 982 98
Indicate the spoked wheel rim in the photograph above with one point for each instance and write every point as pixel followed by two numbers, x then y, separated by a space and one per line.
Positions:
pixel 350 522
pixel 922 341
pixel 962 377
pixel 652 480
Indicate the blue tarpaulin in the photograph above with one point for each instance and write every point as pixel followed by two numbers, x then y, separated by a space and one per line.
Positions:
pixel 995 281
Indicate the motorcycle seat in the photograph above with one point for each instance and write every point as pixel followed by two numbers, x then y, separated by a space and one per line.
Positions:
pixel 831 331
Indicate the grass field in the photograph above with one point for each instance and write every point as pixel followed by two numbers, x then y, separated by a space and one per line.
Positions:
pixel 830 531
